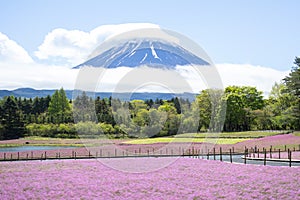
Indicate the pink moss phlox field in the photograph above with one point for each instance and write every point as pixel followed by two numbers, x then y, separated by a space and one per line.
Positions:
pixel 119 149
pixel 284 139
pixel 187 178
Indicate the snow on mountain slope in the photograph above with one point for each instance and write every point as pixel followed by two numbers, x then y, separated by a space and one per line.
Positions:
pixel 153 53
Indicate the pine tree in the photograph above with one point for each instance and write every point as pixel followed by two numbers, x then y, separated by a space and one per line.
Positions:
pixel 13 127
pixel 59 107
pixel 292 82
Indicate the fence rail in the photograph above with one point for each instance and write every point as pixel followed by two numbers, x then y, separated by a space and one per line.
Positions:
pixel 265 155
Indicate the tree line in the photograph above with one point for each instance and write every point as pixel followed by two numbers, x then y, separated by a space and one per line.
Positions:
pixel 237 108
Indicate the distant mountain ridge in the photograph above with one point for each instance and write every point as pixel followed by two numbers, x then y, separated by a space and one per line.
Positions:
pixel 31 93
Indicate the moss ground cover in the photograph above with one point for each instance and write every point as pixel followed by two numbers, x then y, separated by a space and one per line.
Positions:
pixel 187 178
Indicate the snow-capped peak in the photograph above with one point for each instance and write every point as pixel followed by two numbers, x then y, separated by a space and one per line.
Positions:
pixel 154 54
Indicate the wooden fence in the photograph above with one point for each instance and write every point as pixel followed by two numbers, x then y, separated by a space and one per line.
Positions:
pixel 265 155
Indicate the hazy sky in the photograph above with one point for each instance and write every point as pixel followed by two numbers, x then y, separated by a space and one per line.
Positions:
pixel 241 34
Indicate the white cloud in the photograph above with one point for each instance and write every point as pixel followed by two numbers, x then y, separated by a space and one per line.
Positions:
pixel 11 52
pixel 74 46
pixel 249 75
pixel 141 79
pixel 17 69
pixel 36 76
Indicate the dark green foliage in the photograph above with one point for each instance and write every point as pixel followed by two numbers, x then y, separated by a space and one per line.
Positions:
pixel 245 110
pixel 59 107
pixel 12 126
pixel 52 130
pixel 292 83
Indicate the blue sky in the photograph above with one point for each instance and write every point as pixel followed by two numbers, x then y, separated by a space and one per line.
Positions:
pixel 254 32
pixel 238 35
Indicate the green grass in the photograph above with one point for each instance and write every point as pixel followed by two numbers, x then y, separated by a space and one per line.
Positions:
pixel 44 144
pixel 297 133
pixel 9 145
pixel 40 138
pixel 218 138
pixel 196 140
pixel 246 134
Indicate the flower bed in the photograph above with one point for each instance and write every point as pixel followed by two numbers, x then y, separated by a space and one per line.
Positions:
pixel 187 178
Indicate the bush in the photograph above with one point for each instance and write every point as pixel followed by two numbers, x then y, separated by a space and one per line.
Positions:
pixel 52 130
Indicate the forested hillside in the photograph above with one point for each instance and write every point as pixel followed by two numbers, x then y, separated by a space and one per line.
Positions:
pixel 246 109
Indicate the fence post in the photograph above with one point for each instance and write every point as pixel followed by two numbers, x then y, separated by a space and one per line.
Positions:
pixel 18 155
pixel 75 155
pixel 230 154
pixel 279 153
pixel 258 153
pixel 265 157
pixel 214 152
pixel 271 152
pixel 45 155
pixel 290 163
pixel 245 155
pixel 284 147
pixel 221 159
pixel 4 156
pixel 201 153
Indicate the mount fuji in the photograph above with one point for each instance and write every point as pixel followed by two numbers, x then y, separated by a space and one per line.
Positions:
pixel 150 52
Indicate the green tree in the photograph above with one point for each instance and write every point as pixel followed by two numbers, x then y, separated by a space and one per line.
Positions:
pixel 241 101
pixel 59 107
pixel 210 107
pixel 171 126
pixel 84 108
pixel 292 82
pixel 280 103
pixel 12 124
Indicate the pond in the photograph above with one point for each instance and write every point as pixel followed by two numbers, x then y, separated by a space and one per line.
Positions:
pixel 33 148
